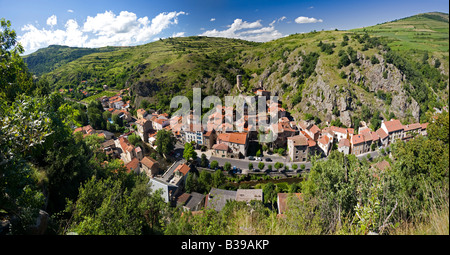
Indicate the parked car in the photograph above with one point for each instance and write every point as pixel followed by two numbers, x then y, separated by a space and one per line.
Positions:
pixel 251 158
pixel 268 159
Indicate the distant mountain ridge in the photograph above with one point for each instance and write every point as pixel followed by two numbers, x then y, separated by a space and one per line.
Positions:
pixel 47 59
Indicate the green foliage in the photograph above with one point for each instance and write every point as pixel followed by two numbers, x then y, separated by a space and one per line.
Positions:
pixel 107 207
pixel 203 160
pixel 134 139
pixel 261 165
pixel 270 193
pixel 439 128
pixel 165 142
pixel 374 60
pixel 189 152
pixel 14 76
pixel 218 178
pixel 227 166
pixel 214 164
pixel 278 165
pixel 327 48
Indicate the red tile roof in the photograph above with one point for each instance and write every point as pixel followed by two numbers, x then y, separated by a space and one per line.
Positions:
pixel 183 168
pixel 413 126
pixel 382 165
pixel 299 140
pixel 375 136
pixel 148 162
pixel 339 129
pixel 344 142
pixel 324 140
pixel 282 200
pixel 220 147
pixel 132 165
pixel 239 138
pixel 381 133
pixel 315 129
pixel 357 139
pixel 393 125
pixel 367 136
pixel 141 121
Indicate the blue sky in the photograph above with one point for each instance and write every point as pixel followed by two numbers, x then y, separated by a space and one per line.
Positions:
pixel 40 23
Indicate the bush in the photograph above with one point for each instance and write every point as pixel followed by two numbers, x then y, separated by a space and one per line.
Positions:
pixel 374 60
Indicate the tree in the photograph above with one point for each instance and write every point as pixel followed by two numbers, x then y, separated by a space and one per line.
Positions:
pixel 214 164
pixel 270 193
pixel 218 178
pixel 375 121
pixel 189 152
pixel 116 119
pixel 14 76
pixel 191 182
pixel 250 166
pixel 439 129
pixel 204 181
pixel 261 165
pixel 294 188
pixel 203 160
pixel 294 167
pixel 278 165
pixel 165 142
pixel 116 210
pixel 227 166
pixel 134 139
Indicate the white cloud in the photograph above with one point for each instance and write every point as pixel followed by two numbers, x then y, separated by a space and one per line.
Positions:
pixel 278 20
pixel 212 19
pixel 52 20
pixel 71 11
pixel 311 7
pixel 104 29
pixel 179 34
pixel 303 20
pixel 253 31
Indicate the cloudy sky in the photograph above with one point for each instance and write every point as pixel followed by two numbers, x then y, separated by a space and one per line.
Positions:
pixel 40 23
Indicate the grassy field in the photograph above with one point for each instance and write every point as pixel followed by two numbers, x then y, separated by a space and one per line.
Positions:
pixel 103 93
pixel 420 32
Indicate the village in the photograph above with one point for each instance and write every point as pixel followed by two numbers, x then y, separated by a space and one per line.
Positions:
pixel 290 153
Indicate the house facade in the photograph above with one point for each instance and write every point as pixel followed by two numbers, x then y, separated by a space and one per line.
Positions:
pixel 149 166
pixel 344 146
pixel 298 148
pixel 236 142
pixel 394 129
pixel 143 126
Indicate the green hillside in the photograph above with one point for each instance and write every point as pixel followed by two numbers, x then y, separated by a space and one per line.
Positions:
pixel 54 56
pixel 396 69
pixel 428 31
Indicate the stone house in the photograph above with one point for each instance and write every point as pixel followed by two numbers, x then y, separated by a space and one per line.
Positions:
pixel 149 166
pixel 236 142
pixel 298 148
pixel 143 126
pixel 394 129
pixel 344 146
